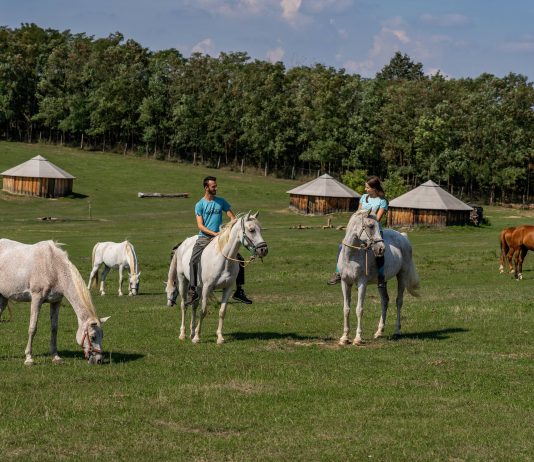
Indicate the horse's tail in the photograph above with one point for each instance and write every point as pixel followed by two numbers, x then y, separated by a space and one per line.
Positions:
pixel 505 248
pixel 412 278
pixel 94 282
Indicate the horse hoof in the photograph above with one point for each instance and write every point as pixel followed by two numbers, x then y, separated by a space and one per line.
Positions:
pixel 343 341
pixel 378 334
pixel 29 362
pixel 220 341
pixel 195 339
pixel 181 337
pixel 56 360
pixel 358 342
pixel 102 294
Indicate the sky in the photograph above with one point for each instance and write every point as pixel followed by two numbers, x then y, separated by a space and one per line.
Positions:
pixel 458 38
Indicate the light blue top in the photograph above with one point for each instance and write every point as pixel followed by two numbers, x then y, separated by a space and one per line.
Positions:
pixel 211 213
pixel 374 204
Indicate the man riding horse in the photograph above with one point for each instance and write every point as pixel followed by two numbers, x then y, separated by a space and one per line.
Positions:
pixel 208 212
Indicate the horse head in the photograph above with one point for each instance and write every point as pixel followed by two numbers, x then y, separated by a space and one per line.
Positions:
pixel 134 283
pixel 250 235
pixel 89 337
pixel 172 292
pixel 363 232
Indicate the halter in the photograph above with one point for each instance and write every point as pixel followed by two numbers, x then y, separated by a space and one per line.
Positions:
pixel 92 350
pixel 249 245
pixel 370 239
pixel 364 245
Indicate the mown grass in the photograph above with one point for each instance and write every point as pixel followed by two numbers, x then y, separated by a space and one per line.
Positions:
pixel 458 384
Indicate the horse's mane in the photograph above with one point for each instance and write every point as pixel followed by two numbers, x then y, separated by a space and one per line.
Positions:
pixel 78 282
pixel 132 258
pixel 224 235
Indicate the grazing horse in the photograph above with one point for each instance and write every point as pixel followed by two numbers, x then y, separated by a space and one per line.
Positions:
pixel 521 241
pixel 507 252
pixel 357 265
pixel 42 273
pixel 218 269
pixel 115 255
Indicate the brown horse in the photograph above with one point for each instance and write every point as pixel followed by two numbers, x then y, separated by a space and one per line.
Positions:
pixel 506 251
pixel 521 241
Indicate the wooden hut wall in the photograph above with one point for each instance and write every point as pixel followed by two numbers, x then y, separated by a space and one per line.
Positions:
pixel 44 187
pixel 422 217
pixel 318 205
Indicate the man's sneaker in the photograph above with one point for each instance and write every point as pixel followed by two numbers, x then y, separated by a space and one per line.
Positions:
pixel 192 296
pixel 335 279
pixel 239 295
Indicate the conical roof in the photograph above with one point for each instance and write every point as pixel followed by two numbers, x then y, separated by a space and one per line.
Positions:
pixel 429 196
pixel 38 167
pixel 324 186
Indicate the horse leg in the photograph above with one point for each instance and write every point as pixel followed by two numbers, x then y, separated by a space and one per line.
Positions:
pixel 222 312
pixel 362 287
pixel 399 301
pixel 510 257
pixel 346 289
pixel 105 272
pixel 120 280
pixel 32 329
pixel 54 316
pixel 519 264
pixel 384 301
pixel 203 312
pixel 182 290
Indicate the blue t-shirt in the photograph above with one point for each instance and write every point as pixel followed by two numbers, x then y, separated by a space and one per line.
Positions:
pixel 211 213
pixel 373 203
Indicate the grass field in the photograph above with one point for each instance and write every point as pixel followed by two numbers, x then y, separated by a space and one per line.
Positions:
pixel 458 385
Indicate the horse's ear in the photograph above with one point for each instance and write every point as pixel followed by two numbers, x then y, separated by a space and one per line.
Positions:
pixel 255 215
pixel 247 216
pixel 139 274
pixel 103 320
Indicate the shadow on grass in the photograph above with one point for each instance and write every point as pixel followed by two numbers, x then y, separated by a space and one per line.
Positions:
pixel 76 196
pixel 442 334
pixel 116 357
pixel 272 336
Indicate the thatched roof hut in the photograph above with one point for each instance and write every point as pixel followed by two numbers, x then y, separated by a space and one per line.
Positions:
pixel 323 195
pixel 428 205
pixel 38 177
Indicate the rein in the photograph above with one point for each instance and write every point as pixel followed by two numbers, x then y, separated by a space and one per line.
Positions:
pixel 249 245
pixel 364 245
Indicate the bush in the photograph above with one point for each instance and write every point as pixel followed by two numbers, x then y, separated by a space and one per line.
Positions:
pixel 355 180
pixel 394 186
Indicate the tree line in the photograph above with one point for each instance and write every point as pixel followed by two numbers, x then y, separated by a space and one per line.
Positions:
pixel 474 136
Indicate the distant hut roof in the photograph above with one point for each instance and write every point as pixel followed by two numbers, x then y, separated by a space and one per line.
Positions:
pixel 429 196
pixel 324 186
pixel 38 167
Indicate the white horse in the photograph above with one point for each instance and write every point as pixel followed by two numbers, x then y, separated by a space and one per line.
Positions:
pixel 357 265
pixel 42 273
pixel 219 268
pixel 115 255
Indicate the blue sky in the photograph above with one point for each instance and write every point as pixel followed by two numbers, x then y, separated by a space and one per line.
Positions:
pixel 461 38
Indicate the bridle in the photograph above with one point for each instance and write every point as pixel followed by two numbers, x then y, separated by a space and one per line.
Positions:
pixel 92 350
pixel 364 245
pixel 249 245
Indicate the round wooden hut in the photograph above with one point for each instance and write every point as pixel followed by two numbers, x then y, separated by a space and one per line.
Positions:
pixel 428 205
pixel 38 177
pixel 323 195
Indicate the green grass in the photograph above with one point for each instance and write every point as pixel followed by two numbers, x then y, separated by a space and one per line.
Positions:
pixel 458 385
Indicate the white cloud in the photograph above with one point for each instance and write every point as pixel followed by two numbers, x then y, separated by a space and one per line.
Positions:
pixel 230 8
pixel 320 5
pixel 205 46
pixel 525 45
pixel 275 55
pixel 446 20
pixel 290 10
